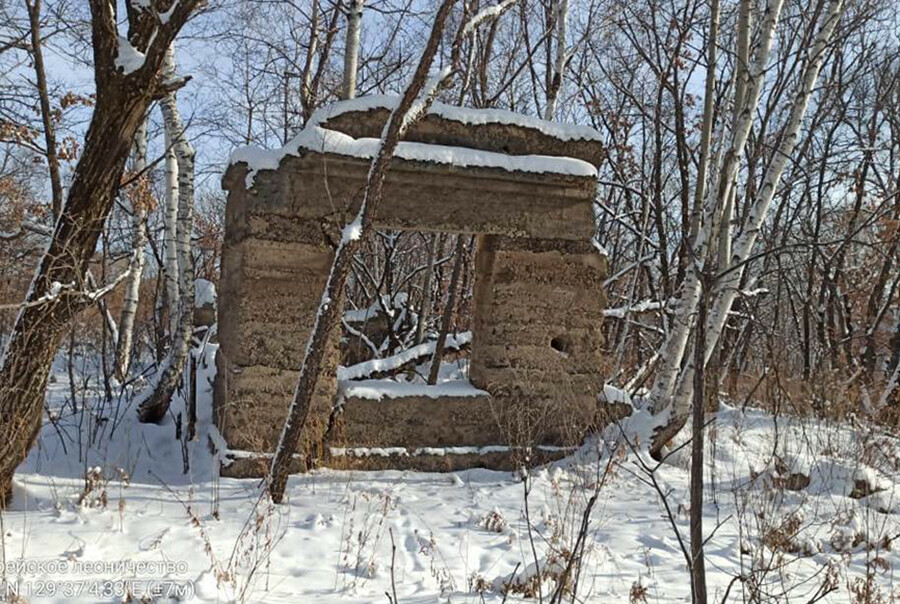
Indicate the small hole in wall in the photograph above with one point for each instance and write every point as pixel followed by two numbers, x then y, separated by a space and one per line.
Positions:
pixel 562 345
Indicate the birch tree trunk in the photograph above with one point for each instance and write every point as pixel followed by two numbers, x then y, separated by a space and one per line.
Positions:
pixel 124 343
pixel 154 408
pixel 661 395
pixel 728 283
pixel 351 53
pixel 561 8
pixel 170 237
pixel 742 74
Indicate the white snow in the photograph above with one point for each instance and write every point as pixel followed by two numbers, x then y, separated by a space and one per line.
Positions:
pixel 452 376
pixel 752 293
pixel 635 309
pixel 599 247
pixel 367 368
pixel 473 117
pixel 204 293
pixel 320 140
pixel 165 16
pixel 392 303
pixel 128 58
pixel 486 14
pixel 459 537
pixel 435 451
pixel 616 395
pixel 427 93
pixel 380 389
pixel 353 231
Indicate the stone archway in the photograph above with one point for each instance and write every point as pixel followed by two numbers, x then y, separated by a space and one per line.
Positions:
pixel 525 187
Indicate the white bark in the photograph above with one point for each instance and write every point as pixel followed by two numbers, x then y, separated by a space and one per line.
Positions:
pixel 124 342
pixel 727 286
pixel 561 8
pixel 155 407
pixel 674 348
pixel 170 248
pixel 351 53
pixel 742 74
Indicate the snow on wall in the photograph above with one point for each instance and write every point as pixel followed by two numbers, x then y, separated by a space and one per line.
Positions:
pixel 379 389
pixel 435 451
pixel 320 140
pixel 464 115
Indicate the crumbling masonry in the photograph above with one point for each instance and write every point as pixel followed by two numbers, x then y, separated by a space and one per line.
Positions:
pixel 523 186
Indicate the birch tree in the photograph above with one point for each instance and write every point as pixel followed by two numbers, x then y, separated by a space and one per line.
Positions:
pixel 726 287
pixel 676 343
pixel 154 408
pixel 170 237
pixel 561 17
pixel 351 52
pixel 125 341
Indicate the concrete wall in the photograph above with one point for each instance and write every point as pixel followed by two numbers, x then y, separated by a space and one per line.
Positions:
pixel 274 270
pixel 538 301
pixel 536 347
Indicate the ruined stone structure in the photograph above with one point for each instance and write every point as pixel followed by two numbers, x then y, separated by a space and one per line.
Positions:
pixel 525 187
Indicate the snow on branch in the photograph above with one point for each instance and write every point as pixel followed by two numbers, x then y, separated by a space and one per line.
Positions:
pixel 620 312
pixel 488 13
pixel 128 58
pixel 57 290
pixel 397 362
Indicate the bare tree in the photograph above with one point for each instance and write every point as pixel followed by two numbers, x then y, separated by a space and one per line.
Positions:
pixel 125 342
pixel 34 16
pixel 125 71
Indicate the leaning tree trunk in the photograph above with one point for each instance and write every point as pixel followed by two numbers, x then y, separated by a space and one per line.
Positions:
pixel 57 293
pixel 410 110
pixel 154 408
pixel 448 313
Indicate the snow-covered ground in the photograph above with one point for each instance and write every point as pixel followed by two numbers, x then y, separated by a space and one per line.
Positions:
pixel 461 537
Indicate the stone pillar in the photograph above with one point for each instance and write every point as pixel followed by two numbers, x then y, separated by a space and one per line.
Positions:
pixel 538 309
pixel 273 276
